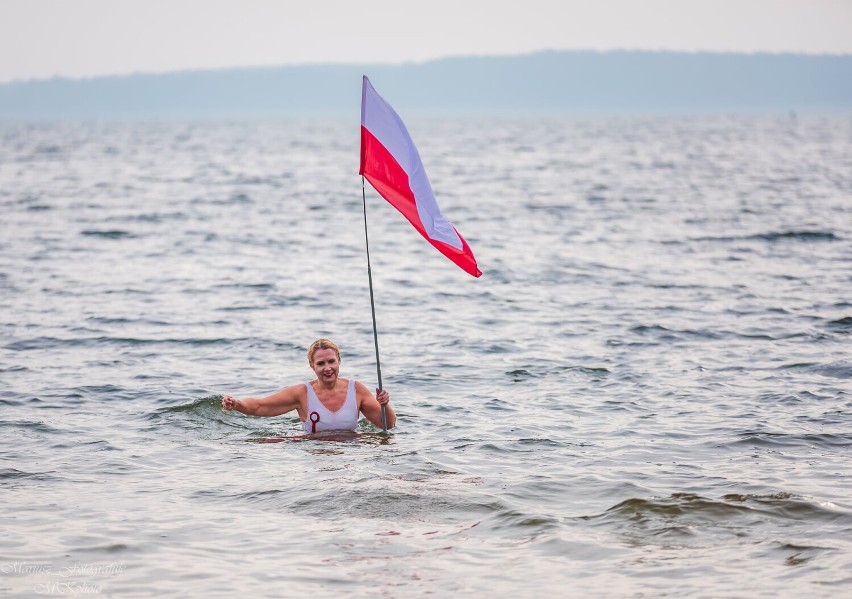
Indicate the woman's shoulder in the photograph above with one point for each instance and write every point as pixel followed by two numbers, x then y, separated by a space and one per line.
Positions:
pixel 297 389
pixel 361 387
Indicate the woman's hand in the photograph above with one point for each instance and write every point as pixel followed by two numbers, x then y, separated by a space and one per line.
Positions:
pixel 229 403
pixel 382 396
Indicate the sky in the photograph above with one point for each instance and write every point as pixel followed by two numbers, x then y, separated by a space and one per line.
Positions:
pixel 40 39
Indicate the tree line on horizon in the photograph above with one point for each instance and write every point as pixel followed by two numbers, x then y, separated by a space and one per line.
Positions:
pixel 550 82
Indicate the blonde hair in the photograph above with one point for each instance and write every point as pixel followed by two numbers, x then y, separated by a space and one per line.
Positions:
pixel 322 344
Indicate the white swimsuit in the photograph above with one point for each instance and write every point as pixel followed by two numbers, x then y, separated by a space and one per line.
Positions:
pixel 321 418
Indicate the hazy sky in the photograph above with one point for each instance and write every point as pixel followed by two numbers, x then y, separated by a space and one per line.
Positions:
pixel 83 38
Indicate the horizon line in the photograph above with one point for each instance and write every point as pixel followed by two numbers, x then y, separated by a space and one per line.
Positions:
pixel 324 64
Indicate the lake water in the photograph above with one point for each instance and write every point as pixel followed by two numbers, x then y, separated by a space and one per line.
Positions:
pixel 648 392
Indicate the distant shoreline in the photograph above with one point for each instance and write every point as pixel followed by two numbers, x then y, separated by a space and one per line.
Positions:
pixel 541 83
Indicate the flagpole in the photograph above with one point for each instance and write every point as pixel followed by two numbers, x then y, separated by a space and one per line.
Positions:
pixel 373 303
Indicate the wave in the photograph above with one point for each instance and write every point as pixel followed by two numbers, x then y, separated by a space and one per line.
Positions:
pixel 152 217
pixel 773 236
pixel 109 234
pixel 39 343
pixel 796 235
pixel 33 426
pixel 372 501
pixel 665 334
pixel 840 370
pixel 687 518
pixel 204 412
pixel 204 418
pixel 767 439
pixel 842 325
pixel 11 475
pixel 519 375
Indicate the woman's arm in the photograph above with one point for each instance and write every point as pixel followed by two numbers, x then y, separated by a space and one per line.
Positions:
pixel 371 407
pixel 273 405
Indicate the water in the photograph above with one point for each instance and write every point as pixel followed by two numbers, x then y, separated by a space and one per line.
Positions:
pixel 648 393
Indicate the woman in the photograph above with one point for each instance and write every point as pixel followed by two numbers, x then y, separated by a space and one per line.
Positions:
pixel 328 403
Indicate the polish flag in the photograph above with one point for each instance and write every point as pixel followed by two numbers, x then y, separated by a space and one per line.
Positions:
pixel 390 162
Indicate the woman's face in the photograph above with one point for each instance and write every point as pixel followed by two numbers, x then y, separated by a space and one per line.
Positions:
pixel 326 365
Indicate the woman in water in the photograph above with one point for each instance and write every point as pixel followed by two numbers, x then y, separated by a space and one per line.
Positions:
pixel 328 403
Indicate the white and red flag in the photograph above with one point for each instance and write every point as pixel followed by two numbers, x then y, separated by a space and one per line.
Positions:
pixel 392 165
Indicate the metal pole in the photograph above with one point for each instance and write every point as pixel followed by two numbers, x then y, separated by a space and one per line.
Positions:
pixel 373 303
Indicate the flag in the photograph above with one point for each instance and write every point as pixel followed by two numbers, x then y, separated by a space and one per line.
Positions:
pixel 391 163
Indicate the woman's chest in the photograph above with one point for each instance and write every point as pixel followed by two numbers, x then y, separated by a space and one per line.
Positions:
pixel 332 399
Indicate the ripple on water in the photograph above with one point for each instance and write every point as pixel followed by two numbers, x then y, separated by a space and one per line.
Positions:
pixel 690 519
pixel 828 441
